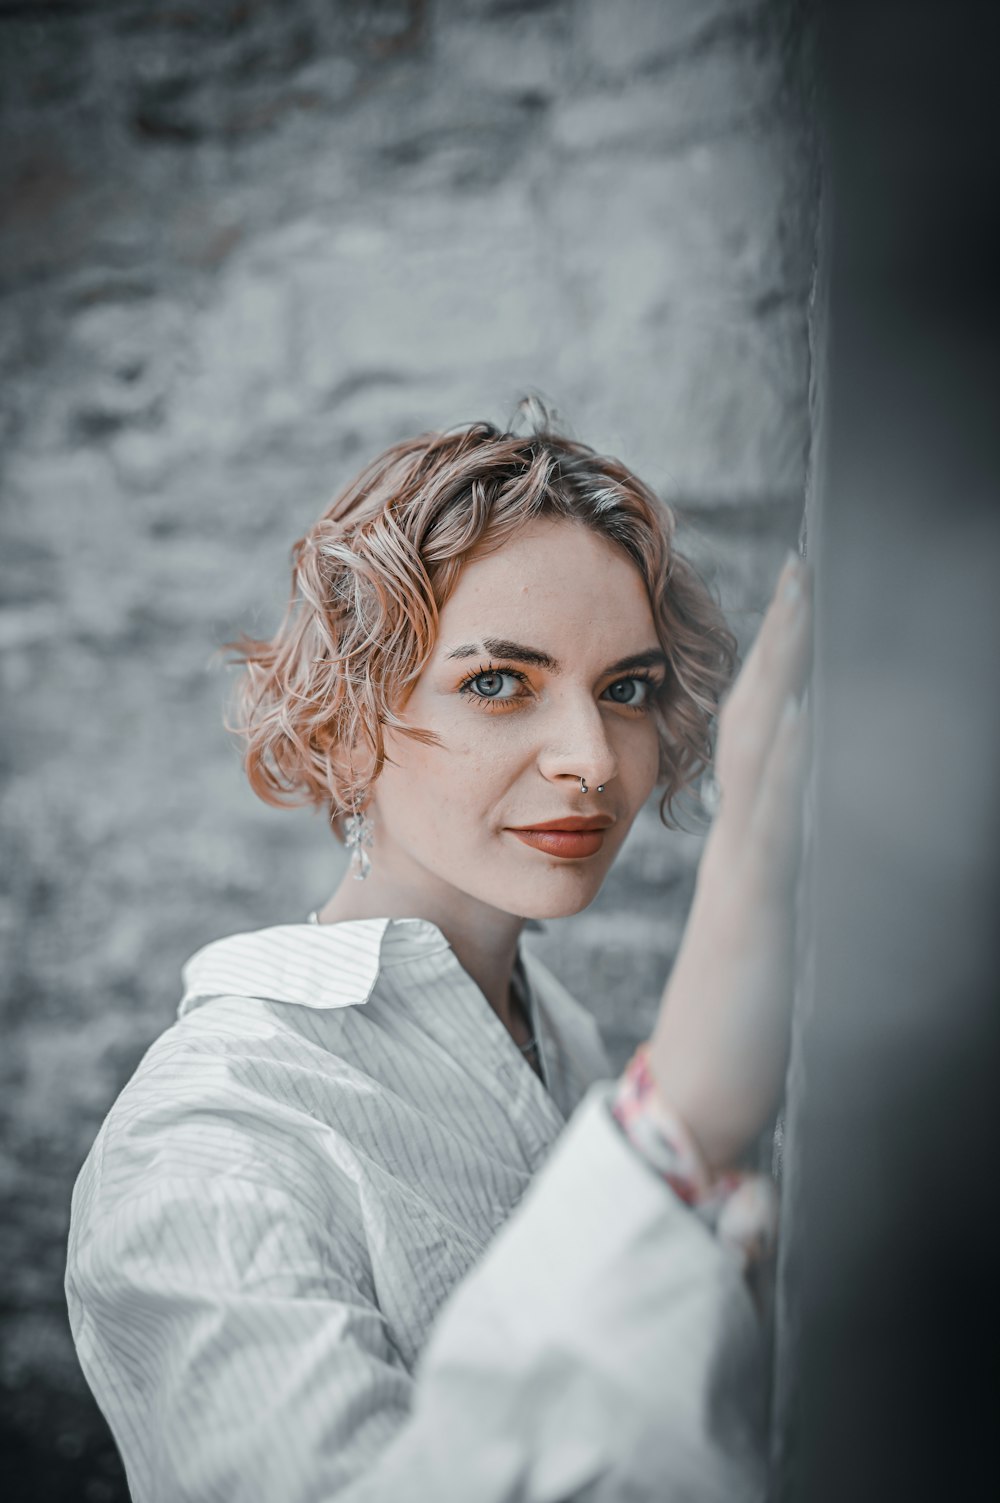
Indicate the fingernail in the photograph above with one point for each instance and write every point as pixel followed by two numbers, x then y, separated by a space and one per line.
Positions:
pixel 790 712
pixel 791 590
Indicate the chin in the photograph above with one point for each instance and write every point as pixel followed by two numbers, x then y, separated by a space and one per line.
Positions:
pixel 555 910
pixel 565 893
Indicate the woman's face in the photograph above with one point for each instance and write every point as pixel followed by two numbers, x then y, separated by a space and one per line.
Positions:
pixel 544 672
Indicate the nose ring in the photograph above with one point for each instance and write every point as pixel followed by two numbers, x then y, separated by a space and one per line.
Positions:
pixel 584 789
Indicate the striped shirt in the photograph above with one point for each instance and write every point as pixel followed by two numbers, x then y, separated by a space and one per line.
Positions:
pixel 336 1239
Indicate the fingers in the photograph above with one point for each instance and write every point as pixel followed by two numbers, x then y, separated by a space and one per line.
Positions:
pixel 775 828
pixel 777 662
pixel 776 668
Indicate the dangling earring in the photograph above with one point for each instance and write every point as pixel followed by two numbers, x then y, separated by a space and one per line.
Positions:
pixel 357 838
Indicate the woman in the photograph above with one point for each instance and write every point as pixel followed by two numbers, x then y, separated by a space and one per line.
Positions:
pixel 296 1270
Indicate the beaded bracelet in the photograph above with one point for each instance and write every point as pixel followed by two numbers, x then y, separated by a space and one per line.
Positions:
pixel 739 1206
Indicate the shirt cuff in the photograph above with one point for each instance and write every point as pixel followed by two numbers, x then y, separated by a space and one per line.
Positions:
pixel 615 1334
pixel 740 1206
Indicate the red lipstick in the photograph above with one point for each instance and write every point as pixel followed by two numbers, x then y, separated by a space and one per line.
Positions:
pixel 571 838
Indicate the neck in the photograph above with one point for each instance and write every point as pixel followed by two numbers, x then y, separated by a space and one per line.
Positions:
pixel 483 938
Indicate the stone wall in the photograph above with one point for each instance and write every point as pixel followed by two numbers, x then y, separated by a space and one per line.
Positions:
pixel 247 245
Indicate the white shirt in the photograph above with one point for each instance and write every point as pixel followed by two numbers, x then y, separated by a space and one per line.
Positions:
pixel 314 1253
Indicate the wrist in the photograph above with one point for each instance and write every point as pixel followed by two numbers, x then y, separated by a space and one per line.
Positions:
pixel 718 1100
pixel 740 1207
pixel 649 1119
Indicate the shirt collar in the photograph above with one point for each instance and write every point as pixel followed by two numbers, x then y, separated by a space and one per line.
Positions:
pixel 313 965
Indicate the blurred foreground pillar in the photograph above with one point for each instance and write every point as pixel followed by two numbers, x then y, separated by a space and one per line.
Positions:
pixel 888 1374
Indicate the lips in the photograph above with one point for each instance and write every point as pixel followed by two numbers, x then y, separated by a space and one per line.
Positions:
pixel 571 838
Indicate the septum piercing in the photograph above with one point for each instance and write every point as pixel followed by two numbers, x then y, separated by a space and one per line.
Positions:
pixel 584 789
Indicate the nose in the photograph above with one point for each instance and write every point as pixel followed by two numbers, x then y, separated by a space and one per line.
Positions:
pixel 576 745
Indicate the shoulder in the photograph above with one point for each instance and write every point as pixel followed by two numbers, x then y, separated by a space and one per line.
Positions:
pixel 266 1073
pixel 227 1094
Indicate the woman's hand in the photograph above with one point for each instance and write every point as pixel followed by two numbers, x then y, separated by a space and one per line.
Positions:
pixel 719 1048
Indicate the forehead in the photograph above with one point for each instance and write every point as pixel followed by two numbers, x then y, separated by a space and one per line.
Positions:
pixel 557 577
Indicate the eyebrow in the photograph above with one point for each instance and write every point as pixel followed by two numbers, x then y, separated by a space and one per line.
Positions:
pixel 499 647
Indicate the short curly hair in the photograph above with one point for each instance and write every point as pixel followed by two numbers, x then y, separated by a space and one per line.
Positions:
pixel 370 577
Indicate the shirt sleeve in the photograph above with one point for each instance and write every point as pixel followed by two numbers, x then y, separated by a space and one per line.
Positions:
pixel 231 1359
pixel 604 1348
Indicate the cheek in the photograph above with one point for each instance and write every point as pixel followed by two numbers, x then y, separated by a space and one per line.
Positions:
pixel 432 794
pixel 475 751
pixel 639 760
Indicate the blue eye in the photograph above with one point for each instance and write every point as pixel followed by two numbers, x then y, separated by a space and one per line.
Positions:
pixel 489 684
pixel 628 691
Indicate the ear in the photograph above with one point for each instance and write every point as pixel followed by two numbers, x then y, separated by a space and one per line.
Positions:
pixel 353 772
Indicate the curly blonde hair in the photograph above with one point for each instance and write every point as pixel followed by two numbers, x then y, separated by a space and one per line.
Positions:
pixel 371 575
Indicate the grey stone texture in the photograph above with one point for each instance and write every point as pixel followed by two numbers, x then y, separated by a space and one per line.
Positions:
pixel 245 246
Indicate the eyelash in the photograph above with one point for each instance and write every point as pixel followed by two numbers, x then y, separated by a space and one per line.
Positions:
pixel 490 701
pixel 498 706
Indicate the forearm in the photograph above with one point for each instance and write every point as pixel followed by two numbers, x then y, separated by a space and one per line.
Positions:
pixel 606 1346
